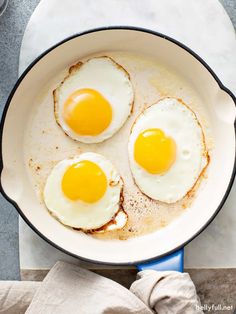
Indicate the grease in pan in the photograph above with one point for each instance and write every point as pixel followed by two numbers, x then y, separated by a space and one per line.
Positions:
pixel 138 214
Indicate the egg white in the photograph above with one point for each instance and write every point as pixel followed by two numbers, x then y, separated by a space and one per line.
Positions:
pixel 105 76
pixel 79 214
pixel 176 120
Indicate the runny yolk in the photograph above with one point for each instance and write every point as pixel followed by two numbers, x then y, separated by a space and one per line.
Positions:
pixel 84 181
pixel 154 151
pixel 87 112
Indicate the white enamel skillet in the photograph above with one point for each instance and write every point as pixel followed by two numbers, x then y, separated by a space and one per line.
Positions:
pixel 163 248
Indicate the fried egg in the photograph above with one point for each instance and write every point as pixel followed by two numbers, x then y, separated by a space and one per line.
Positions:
pixel 94 100
pixel 167 150
pixel 86 193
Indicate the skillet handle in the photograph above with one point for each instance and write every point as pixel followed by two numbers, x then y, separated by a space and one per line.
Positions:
pixel 174 261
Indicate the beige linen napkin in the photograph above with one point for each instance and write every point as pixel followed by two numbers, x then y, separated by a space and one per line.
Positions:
pixel 70 289
pixel 16 296
pixel 167 292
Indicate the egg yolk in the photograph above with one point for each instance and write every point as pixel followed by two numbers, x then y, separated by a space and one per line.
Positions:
pixel 154 151
pixel 84 181
pixel 87 112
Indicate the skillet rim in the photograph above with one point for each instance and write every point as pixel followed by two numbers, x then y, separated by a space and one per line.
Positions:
pixel 84 33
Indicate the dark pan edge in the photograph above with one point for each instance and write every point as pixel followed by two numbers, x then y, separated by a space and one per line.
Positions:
pixel 176 42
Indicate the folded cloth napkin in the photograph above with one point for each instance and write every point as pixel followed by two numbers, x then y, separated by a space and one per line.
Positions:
pixel 16 296
pixel 70 289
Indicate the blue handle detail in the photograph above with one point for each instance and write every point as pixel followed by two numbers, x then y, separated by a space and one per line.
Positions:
pixel 174 261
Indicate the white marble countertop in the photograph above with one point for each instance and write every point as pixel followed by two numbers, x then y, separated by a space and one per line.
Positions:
pixel 202 25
